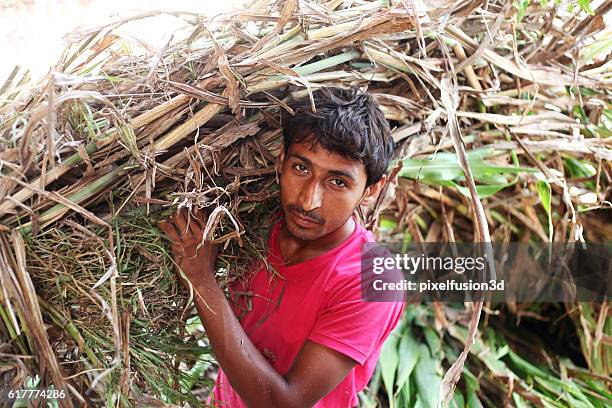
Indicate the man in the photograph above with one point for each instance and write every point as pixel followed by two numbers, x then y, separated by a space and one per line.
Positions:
pixel 309 338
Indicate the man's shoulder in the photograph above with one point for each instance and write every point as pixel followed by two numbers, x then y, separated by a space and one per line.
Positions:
pixel 345 273
pixel 348 261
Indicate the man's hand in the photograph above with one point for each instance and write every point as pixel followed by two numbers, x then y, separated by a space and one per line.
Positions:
pixel 194 256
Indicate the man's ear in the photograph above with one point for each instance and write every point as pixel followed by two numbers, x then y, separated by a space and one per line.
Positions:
pixel 370 193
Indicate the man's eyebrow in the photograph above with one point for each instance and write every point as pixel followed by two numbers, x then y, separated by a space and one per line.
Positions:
pixel 302 158
pixel 343 174
pixel 334 172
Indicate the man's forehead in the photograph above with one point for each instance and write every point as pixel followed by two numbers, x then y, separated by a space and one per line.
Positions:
pixel 327 160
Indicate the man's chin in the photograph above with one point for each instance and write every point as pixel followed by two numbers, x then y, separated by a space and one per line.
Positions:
pixel 303 233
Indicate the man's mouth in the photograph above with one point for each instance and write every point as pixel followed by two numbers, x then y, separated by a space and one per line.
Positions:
pixel 302 221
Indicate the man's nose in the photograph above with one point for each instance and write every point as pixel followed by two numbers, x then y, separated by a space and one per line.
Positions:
pixel 311 196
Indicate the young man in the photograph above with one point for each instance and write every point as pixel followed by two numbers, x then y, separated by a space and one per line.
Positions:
pixel 309 338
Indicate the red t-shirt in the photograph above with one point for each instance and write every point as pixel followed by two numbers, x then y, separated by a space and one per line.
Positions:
pixel 317 300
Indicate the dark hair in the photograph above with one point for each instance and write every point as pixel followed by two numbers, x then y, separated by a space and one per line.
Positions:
pixel 348 122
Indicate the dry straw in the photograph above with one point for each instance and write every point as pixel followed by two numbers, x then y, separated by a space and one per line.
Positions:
pixel 92 155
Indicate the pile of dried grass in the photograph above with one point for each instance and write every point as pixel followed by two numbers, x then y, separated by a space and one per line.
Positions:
pixel 92 153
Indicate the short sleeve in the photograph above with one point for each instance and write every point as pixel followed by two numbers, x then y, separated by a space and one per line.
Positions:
pixel 352 326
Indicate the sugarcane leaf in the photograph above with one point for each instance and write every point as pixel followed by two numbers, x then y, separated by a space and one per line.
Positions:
pixel 519 402
pixel 471 386
pixel 551 404
pixel 483 168
pixel 483 191
pixel 550 386
pixel 525 366
pixel 433 341
pixel 458 401
pixel 327 62
pixel 502 351
pixel 430 171
pixel 576 402
pixel 492 178
pixel 389 360
pixel 420 404
pixel 586 6
pixel 192 325
pixel 472 400
pixel 409 352
pixel 486 353
pixel 522 9
pixel 545 194
pixel 427 378
pixel 191 377
pixel 579 168
pixel 565 390
pixel 598 402
pixel 576 390
pixel 599 47
pixel 375 382
pixel 387 224
pixel 407 394
pixel 444 169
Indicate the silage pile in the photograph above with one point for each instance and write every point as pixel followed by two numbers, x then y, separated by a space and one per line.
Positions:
pixel 109 143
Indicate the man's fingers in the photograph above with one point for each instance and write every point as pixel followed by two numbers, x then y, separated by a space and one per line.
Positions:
pixel 169 230
pixel 195 228
pixel 180 220
pixel 201 218
pixel 197 223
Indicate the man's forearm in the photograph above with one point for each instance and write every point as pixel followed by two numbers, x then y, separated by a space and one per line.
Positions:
pixel 249 373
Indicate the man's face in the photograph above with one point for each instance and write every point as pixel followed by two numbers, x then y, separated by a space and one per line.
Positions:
pixel 319 190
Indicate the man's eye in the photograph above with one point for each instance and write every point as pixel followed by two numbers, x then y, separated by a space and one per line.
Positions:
pixel 338 183
pixel 301 168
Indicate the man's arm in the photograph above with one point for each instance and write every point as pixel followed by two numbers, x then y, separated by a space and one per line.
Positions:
pixel 316 369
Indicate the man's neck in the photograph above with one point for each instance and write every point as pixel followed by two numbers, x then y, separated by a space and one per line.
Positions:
pixel 295 250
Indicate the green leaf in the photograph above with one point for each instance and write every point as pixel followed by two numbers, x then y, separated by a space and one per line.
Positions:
pixel 545 193
pixel 193 324
pixel 457 401
pixel 485 352
pixel 326 63
pixel 482 191
pixel 438 169
pixel 444 170
pixel 433 341
pixel 389 360
pixel 600 47
pixel 603 131
pixel 407 394
pixel 579 168
pixel 522 9
pixel 471 386
pixel 420 404
pixel 585 5
pixel 427 378
pixel 525 366
pixel 406 241
pixel 387 224
pixel 191 377
pixel 519 402
pixel 408 356
pixel 374 385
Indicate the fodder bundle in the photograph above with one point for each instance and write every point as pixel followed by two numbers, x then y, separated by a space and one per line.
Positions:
pixel 112 141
